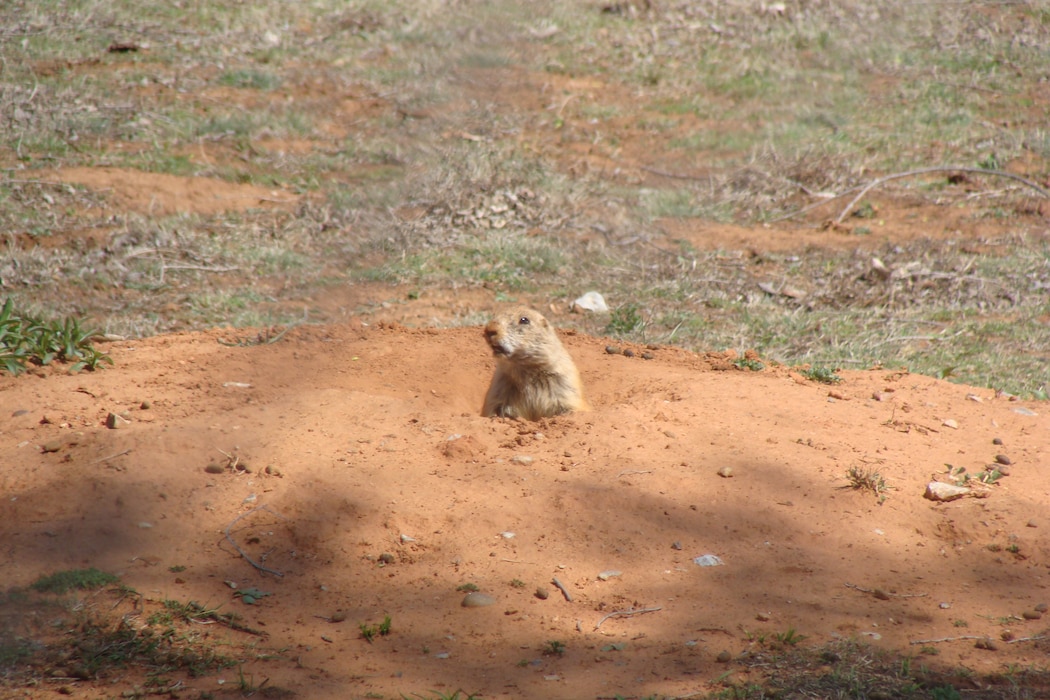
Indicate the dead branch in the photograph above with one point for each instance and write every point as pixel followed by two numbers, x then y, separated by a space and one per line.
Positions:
pixel 922 171
pixel 240 551
pixel 1037 638
pixel 626 613
pixel 815 205
pixel 948 639
pixel 674 176
pixel 561 587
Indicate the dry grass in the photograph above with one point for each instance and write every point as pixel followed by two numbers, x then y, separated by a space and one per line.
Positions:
pixel 415 170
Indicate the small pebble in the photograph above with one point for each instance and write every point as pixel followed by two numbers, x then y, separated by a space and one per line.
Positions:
pixel 386 558
pixel 214 468
pixel 612 350
pixel 521 459
pixel 477 600
pixel 950 423
pixel 1003 459
pixel 997 441
pixel 647 356
pixel 1006 635
pixel 1032 615
pixel 676 545
pixel 146 405
pixel 627 352
pixel 724 657
pixel 338 616
pixel 611 573
pixel 762 617
pixel 1032 523
pixel 725 472
pixel 542 593
pixel 114 421
pixel 988 644
pixel 1042 607
pixel 19 412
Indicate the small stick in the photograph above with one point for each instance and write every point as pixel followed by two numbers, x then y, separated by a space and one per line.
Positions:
pixel 879 593
pixel 626 613
pixel 1027 639
pixel 947 639
pixel 629 472
pixel 561 587
pixel 240 551
pixel 673 176
pixel 106 459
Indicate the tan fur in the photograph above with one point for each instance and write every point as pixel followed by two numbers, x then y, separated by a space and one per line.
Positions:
pixel 534 377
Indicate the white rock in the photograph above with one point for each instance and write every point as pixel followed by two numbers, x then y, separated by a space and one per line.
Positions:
pixel 708 560
pixel 591 301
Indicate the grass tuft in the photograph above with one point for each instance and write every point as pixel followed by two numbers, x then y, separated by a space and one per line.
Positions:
pixel 26 340
pixel 73 580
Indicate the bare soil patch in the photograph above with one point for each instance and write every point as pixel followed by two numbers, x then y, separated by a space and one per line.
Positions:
pixel 158 194
pixel 362 472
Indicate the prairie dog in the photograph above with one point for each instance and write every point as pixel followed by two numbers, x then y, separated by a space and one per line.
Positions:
pixel 534 377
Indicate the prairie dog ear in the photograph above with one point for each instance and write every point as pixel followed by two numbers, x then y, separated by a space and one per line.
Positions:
pixel 544 322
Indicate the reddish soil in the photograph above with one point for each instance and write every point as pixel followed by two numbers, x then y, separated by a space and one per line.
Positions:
pixel 348 438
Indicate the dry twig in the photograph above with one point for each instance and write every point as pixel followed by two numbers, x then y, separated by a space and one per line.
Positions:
pixel 884 595
pixel 561 587
pixel 626 613
pixel 106 459
pixel 240 551
pixel 922 171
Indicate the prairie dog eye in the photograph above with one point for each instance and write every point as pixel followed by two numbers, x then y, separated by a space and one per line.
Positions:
pixel 523 321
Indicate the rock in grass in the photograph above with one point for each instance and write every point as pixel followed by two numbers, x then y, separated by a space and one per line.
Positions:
pixel 591 301
pixel 477 600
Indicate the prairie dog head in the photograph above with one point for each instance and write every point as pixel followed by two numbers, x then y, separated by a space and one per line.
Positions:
pixel 521 334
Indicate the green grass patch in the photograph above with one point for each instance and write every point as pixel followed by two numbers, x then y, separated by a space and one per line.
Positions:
pixel 249 78
pixel 73 580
